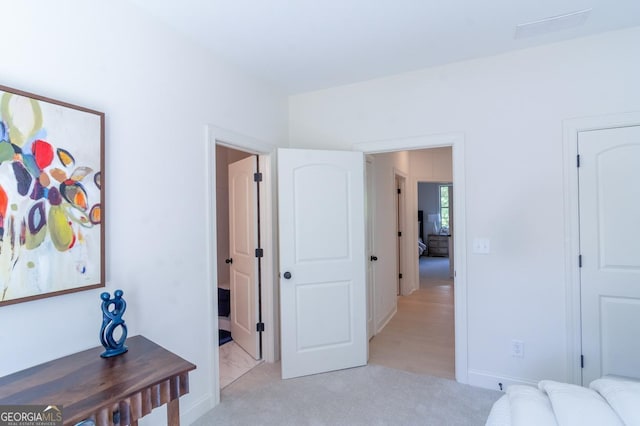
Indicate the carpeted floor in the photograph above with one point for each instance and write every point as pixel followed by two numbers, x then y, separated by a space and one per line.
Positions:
pixel 434 271
pixel 370 395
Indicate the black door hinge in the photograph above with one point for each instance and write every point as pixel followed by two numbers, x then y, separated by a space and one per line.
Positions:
pixel 259 252
pixel 578 160
pixel 399 234
pixel 581 361
pixel 399 275
pixel 257 177
pixel 399 191
pixel 579 261
pixel 260 326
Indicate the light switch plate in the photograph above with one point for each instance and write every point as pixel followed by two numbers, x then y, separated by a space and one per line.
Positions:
pixel 481 246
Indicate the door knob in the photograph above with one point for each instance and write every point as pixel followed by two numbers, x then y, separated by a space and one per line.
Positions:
pixel 374 258
pixel 287 275
pixel 228 260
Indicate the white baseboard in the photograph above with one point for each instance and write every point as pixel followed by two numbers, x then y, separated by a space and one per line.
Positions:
pixel 490 380
pixel 386 320
pixel 197 410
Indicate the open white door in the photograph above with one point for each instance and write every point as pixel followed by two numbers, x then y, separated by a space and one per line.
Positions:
pixel 609 192
pixel 322 261
pixel 243 241
pixel 370 253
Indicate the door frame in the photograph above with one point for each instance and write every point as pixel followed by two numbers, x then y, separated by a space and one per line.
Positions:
pixel 456 141
pixel 270 337
pixel 402 263
pixel 571 128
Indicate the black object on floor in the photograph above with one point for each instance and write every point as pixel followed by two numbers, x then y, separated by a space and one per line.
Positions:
pixel 224 336
pixel 224 302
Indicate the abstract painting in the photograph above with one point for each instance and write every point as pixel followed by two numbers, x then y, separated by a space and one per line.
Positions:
pixel 51 197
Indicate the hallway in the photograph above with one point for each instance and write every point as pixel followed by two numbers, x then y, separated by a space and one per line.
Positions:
pixel 420 336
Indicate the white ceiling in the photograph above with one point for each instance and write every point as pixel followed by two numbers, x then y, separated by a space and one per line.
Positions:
pixel 305 45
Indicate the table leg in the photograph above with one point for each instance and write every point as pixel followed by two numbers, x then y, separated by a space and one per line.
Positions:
pixel 173 412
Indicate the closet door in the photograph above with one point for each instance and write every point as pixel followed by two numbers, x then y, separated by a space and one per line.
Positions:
pixel 610 248
pixel 243 241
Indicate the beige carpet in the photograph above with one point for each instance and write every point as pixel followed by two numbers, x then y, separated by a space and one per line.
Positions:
pixel 374 394
pixel 370 395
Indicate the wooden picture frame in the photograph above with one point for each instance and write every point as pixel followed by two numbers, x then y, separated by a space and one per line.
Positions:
pixel 52 238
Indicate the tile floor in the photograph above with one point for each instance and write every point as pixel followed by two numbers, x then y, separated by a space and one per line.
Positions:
pixel 234 362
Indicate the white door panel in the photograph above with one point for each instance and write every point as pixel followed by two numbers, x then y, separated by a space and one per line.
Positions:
pixel 610 246
pixel 323 303
pixel 620 340
pixel 370 252
pixel 321 234
pixel 243 219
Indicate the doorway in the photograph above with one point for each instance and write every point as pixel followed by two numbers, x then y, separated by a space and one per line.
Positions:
pixel 435 233
pixel 238 277
pixel 270 292
pixel 421 319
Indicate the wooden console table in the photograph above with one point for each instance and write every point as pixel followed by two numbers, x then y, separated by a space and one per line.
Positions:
pixel 110 391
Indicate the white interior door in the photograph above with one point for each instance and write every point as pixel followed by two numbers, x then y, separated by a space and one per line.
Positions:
pixel 400 213
pixel 370 252
pixel 243 241
pixel 609 191
pixel 322 261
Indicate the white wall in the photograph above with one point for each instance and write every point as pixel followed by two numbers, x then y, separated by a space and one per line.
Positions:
pixel 158 91
pixel 428 202
pixel 428 196
pixel 431 165
pixel 510 109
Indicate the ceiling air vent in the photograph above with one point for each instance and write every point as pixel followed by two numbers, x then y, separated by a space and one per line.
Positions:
pixel 554 23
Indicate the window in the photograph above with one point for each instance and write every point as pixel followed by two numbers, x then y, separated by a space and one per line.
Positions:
pixel 444 206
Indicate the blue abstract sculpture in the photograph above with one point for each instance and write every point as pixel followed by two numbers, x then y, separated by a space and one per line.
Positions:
pixel 112 311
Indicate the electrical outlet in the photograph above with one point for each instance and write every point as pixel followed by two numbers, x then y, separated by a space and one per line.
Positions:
pixel 517 348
